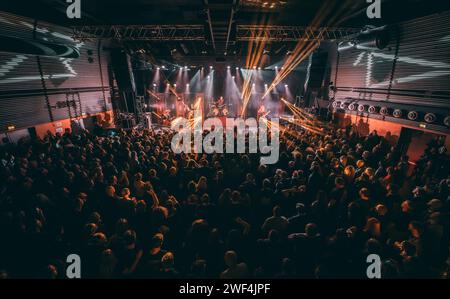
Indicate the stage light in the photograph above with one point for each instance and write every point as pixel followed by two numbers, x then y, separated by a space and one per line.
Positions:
pixel 237 68
pixel 174 85
pixel 397 113
pixel 384 110
pixel 447 121
pixel 430 117
pixel 254 67
pixel 168 84
pixel 163 66
pixel 413 115
pixel 228 67
pixel 282 67
pixel 154 84
pixel 185 67
pixel 209 77
pixel 276 67
pixel 210 67
pixel 157 68
pixel 187 85
pixel 233 77
pixel 259 68
pixel 285 85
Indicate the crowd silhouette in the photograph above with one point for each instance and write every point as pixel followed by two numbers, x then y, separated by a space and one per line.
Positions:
pixel 130 208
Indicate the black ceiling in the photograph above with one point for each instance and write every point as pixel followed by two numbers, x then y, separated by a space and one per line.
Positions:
pixel 286 12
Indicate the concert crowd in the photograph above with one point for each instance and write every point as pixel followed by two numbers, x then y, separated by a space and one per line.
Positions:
pixel 130 208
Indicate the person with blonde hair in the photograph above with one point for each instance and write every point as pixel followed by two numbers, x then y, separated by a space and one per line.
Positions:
pixel 202 185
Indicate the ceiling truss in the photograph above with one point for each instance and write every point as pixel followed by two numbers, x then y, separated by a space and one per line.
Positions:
pixel 140 32
pixel 292 33
pixel 197 33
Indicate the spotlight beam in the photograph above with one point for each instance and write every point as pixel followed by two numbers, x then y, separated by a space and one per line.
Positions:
pixel 305 46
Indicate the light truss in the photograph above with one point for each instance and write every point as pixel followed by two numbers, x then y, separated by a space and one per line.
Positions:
pixel 291 33
pixel 197 33
pixel 140 32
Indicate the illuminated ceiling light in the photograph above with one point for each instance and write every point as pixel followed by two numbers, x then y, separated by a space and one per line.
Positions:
pixel 259 68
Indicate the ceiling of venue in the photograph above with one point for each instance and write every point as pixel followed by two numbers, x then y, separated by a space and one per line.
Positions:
pixel 220 24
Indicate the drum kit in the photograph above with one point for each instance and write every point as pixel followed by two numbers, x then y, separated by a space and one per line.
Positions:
pixel 218 108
